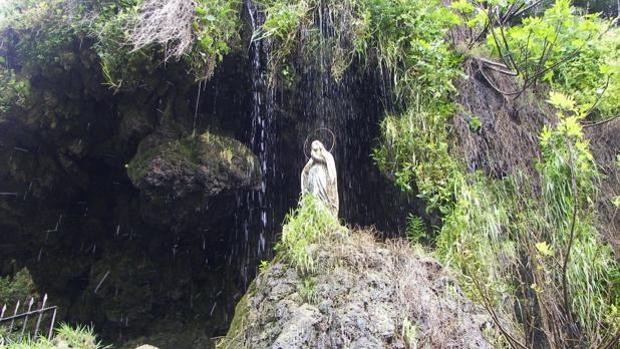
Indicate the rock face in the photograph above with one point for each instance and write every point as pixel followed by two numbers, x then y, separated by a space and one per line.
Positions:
pixel 368 295
pixel 137 254
pixel 605 146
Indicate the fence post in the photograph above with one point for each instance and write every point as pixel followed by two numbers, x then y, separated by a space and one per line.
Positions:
pixel 51 331
pixel 36 329
pixel 14 314
pixel 1 316
pixel 11 322
pixel 21 335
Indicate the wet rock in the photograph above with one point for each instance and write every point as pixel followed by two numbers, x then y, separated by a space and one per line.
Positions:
pixel 173 335
pixel 183 179
pixel 365 293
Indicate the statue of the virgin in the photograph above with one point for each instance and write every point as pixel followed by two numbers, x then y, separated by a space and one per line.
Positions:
pixel 319 177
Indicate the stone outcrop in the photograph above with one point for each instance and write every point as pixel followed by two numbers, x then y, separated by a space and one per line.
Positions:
pixel 180 181
pixel 366 295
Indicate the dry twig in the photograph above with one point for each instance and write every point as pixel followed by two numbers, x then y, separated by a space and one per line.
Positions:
pixel 164 22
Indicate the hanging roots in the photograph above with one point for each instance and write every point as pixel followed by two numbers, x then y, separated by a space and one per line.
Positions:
pixel 164 22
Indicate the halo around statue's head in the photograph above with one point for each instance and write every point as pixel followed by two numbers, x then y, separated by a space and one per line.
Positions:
pixel 313 135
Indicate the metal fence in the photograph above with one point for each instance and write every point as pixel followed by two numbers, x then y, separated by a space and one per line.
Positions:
pixel 20 322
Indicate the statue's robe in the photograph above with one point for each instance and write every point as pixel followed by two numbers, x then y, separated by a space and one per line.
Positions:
pixel 319 179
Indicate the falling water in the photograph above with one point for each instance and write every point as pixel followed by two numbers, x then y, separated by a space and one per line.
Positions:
pixel 281 119
pixel 257 218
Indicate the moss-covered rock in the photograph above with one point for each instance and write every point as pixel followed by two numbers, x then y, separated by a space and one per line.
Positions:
pixel 178 179
pixel 366 295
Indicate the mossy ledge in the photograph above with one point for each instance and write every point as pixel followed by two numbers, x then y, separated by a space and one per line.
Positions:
pixel 190 174
pixel 207 152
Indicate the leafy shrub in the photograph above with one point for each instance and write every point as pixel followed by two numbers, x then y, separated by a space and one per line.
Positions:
pixel 17 288
pixel 574 53
pixel 129 35
pixel 568 173
pixel 44 29
pixel 409 42
pixel 216 28
pixel 13 91
pixel 570 279
pixel 414 151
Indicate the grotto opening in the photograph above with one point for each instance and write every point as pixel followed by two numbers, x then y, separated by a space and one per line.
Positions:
pixel 150 160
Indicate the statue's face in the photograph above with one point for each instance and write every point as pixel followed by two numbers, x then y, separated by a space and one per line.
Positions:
pixel 317 151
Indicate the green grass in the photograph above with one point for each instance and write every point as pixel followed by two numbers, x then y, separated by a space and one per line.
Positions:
pixel 79 337
pixel 303 229
pixel 307 290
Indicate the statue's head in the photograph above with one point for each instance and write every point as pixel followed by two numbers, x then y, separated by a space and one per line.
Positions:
pixel 317 151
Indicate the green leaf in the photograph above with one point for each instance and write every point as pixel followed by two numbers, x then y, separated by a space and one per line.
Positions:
pixel 561 101
pixel 544 248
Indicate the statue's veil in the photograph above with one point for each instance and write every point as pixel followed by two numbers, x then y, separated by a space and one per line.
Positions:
pixel 331 164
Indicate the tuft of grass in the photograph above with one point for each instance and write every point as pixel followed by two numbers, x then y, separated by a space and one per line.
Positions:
pixel 302 229
pixel 263 266
pixel 307 291
pixel 410 333
pixel 79 337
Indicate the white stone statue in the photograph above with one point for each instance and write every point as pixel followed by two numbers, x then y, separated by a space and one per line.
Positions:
pixel 319 177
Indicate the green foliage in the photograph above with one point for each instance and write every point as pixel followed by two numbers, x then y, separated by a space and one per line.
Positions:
pixel 216 28
pixel 568 173
pixel 496 224
pixel 474 124
pixel 472 238
pixel 17 288
pixel 48 30
pixel 302 229
pixel 292 27
pixel 13 91
pixel 307 290
pixel 410 332
pixel 574 53
pixel 414 150
pixel 79 337
pixel 45 30
pixel 593 76
pixel 120 67
pixel 282 22
pixel 263 266
pixel 409 39
pixel 416 229
pixel 215 31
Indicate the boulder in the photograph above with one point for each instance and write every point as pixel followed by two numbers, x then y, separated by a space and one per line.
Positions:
pixel 365 295
pixel 181 180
